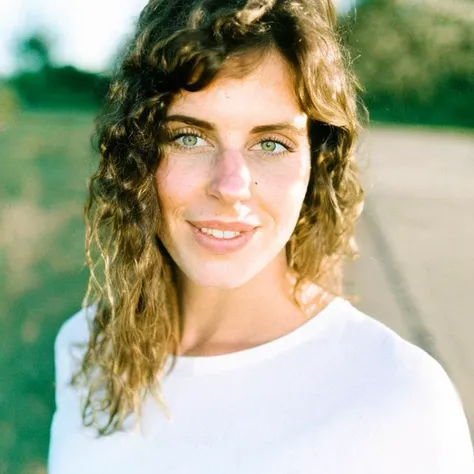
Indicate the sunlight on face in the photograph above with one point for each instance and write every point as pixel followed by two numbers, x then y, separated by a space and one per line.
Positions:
pixel 235 174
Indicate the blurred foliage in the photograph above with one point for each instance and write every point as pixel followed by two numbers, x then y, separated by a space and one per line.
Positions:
pixel 60 87
pixel 41 84
pixel 34 52
pixel 46 160
pixel 415 59
pixel 9 105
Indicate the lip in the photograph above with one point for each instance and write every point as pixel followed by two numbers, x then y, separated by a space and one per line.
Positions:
pixel 221 225
pixel 222 246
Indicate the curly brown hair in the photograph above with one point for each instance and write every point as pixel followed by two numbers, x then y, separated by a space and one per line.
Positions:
pixel 183 45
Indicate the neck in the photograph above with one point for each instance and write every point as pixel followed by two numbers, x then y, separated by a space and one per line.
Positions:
pixel 217 321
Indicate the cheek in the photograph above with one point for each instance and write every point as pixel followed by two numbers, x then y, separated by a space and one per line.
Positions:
pixel 175 184
pixel 286 189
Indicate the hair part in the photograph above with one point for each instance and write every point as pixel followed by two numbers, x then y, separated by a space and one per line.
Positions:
pixel 185 45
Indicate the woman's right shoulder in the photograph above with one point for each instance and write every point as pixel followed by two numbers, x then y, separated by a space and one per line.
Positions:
pixel 75 329
pixel 69 348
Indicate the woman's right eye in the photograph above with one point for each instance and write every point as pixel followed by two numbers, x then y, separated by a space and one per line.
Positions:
pixel 188 140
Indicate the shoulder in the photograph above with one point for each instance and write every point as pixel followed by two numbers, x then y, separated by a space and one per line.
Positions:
pixel 75 329
pixel 377 348
pixel 405 387
pixel 367 337
pixel 361 348
pixel 374 353
pixel 69 348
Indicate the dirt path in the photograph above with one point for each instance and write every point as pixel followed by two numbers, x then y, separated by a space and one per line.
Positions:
pixel 416 238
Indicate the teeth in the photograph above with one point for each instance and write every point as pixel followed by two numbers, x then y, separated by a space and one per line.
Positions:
pixel 220 234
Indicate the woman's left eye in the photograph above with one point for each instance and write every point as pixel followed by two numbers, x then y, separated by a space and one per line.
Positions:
pixel 272 146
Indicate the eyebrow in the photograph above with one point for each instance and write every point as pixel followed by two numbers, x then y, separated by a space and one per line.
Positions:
pixel 274 127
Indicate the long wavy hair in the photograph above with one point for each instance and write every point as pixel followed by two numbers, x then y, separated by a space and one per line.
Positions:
pixel 183 45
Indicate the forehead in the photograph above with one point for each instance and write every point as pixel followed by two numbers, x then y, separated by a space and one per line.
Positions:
pixel 266 94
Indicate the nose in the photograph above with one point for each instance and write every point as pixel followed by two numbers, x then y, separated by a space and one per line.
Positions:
pixel 230 179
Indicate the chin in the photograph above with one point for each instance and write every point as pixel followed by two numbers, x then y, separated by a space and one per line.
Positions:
pixel 221 276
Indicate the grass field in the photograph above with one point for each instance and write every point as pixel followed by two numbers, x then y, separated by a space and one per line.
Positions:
pixel 46 159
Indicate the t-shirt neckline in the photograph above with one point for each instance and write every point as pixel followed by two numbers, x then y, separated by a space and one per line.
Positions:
pixel 200 365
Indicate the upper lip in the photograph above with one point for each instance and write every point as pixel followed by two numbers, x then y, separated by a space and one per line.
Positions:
pixel 220 225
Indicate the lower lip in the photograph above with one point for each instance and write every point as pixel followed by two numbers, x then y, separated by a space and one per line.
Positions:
pixel 222 246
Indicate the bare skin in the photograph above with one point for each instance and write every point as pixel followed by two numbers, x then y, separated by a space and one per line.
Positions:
pixel 224 321
pixel 229 172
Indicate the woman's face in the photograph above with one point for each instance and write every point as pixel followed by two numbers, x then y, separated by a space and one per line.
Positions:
pixel 234 175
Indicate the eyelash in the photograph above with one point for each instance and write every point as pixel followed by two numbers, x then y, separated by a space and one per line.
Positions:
pixel 182 133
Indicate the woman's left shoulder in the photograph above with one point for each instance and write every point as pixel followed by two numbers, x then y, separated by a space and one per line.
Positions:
pixel 380 348
pixel 409 387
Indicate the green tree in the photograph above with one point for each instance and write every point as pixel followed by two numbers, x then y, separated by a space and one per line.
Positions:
pixel 41 83
pixel 415 60
pixel 34 52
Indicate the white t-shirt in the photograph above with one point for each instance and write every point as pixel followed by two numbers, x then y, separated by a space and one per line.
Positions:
pixel 342 394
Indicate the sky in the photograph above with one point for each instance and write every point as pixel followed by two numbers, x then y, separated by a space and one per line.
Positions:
pixel 85 33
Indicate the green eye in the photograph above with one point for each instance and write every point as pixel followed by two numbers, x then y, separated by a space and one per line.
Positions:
pixel 269 146
pixel 274 147
pixel 189 140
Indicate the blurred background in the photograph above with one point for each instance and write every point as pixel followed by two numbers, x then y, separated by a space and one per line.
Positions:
pixel 415 60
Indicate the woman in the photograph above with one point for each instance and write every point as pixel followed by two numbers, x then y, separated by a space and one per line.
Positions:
pixel 223 206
